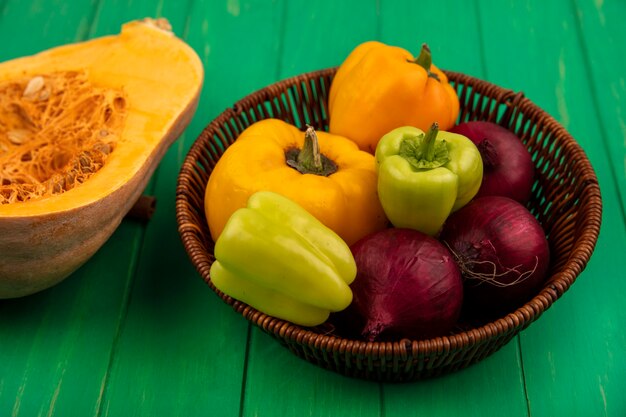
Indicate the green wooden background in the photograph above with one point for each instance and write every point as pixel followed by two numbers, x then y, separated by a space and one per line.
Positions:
pixel 136 332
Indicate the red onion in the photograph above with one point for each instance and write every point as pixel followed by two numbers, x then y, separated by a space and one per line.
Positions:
pixel 508 168
pixel 407 286
pixel 502 252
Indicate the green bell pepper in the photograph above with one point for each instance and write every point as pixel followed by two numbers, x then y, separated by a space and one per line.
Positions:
pixel 278 258
pixel 423 177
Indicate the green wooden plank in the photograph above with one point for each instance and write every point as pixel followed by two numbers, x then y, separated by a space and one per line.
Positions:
pixel 278 382
pixel 3 4
pixel 172 309
pixel 55 345
pixel 30 27
pixel 602 33
pixel 110 16
pixel 572 356
pixel 239 43
pixel 316 36
pixel 489 388
pixel 448 27
pixel 602 29
pixel 455 45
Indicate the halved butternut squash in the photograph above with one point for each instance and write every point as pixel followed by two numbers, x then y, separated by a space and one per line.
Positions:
pixel 82 128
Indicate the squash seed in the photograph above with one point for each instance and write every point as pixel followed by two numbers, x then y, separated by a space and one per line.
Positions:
pixel 44 95
pixel 102 147
pixel 17 136
pixel 47 103
pixel 33 87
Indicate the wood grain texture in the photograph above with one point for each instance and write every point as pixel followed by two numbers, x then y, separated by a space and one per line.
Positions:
pixel 569 355
pixel 324 35
pixel 3 5
pixel 602 33
pixel 56 344
pixel 277 382
pixel 176 344
pixel 33 26
pixel 136 332
pixel 456 46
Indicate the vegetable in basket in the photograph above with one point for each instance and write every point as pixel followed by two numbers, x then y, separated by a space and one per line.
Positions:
pixel 278 258
pixel 326 174
pixel 407 286
pixel 508 168
pixel 502 252
pixel 380 87
pixel 423 177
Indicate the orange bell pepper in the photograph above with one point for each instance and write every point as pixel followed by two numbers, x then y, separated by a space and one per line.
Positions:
pixel 379 88
pixel 325 174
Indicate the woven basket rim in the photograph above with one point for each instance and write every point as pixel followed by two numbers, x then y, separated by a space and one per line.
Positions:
pixel 502 326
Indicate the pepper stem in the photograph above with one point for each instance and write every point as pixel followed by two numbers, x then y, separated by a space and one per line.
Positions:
pixel 425 60
pixel 310 155
pixel 309 159
pixel 428 145
pixel 423 151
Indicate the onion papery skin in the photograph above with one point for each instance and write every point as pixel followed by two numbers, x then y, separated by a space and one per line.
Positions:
pixel 502 252
pixel 508 169
pixel 407 286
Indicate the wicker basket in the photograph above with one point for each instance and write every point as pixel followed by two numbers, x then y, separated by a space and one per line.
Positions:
pixel 566 200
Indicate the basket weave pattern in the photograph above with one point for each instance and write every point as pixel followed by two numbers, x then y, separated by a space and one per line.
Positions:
pixel 566 200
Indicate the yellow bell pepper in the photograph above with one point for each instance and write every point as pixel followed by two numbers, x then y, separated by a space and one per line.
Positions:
pixel 325 174
pixel 379 88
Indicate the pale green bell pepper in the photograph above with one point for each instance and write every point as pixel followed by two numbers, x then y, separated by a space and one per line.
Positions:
pixel 423 177
pixel 276 257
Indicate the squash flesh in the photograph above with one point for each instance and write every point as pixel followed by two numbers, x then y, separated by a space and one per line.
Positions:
pixel 56 131
pixel 158 73
pixel 43 241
